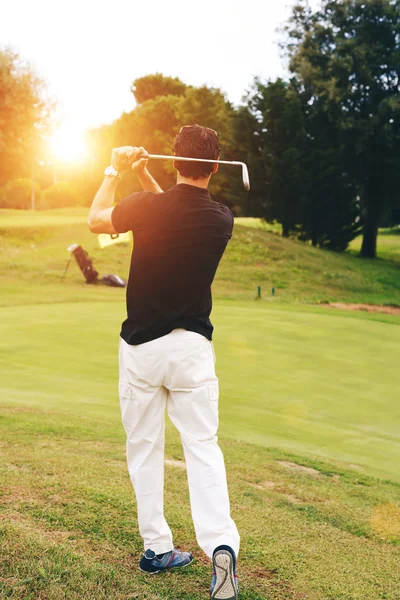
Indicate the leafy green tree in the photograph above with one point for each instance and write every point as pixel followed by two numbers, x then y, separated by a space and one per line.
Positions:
pixel 331 210
pixel 283 136
pixel 18 194
pixel 24 114
pixel 346 57
pixel 331 207
pixel 60 195
pixel 247 137
pixel 152 86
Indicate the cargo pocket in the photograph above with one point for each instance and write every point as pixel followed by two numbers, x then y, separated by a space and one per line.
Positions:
pixel 125 391
pixel 128 406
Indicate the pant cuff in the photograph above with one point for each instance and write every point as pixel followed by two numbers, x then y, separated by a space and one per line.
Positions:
pixel 159 548
pixel 233 542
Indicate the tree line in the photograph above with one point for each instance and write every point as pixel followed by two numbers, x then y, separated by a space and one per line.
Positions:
pixel 322 145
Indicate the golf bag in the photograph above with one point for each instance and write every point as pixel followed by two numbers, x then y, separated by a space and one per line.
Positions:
pixel 114 281
pixel 85 264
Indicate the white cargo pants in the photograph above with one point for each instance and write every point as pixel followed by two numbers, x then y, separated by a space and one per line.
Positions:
pixel 175 372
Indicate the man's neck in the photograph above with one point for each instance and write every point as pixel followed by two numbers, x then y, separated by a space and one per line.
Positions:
pixel 201 183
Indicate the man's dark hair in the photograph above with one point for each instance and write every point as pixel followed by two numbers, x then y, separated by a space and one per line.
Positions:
pixel 196 142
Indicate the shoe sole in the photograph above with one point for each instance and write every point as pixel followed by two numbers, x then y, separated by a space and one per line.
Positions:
pixel 225 588
pixel 166 568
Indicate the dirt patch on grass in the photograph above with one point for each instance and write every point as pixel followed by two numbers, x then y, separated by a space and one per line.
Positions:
pixel 372 308
pixel 294 499
pixel 295 467
pixel 179 464
pixel 28 526
pixel 264 485
pixel 288 493
pixel 16 495
pixel 385 521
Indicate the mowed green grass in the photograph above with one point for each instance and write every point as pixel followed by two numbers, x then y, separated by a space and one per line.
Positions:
pixel 15 219
pixel 307 381
pixel 289 400
pixel 309 425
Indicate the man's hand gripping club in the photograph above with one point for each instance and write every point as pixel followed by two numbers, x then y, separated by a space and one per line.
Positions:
pixel 103 204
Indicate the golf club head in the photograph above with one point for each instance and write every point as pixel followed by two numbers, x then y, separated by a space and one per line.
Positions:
pixel 245 176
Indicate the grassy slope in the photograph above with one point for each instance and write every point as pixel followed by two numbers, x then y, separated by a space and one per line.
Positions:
pixel 298 379
pixel 255 257
pixel 388 240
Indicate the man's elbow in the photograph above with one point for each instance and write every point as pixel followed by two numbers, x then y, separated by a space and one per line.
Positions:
pixel 92 225
pixel 95 223
pixel 98 225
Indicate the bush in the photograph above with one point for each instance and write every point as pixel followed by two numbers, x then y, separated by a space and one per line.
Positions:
pixel 18 194
pixel 60 195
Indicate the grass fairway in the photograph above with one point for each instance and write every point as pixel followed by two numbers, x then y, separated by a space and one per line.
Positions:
pixel 310 424
pixel 301 380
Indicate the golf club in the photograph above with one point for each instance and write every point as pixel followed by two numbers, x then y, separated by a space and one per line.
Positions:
pixel 245 173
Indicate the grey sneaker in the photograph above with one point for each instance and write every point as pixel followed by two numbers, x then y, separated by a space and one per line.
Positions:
pixel 150 563
pixel 224 584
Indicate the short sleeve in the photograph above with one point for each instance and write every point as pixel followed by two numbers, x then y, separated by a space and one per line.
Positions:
pixel 229 218
pixel 132 212
pixel 232 220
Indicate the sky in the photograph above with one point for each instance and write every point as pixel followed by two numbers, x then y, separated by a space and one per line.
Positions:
pixel 89 52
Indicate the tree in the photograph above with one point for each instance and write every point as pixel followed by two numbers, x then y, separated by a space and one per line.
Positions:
pixel 18 194
pixel 24 114
pixel 331 208
pixel 246 137
pixel 305 186
pixel 331 211
pixel 346 57
pixel 60 195
pixel 282 135
pixel 152 86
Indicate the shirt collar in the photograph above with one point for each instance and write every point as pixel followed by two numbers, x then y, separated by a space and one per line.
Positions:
pixel 193 190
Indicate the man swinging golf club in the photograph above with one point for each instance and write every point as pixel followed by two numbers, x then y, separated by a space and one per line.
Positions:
pixel 166 353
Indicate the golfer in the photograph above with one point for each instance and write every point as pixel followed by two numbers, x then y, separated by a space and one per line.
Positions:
pixel 166 355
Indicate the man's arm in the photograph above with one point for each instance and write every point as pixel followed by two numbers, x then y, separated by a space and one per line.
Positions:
pixel 149 184
pixel 103 204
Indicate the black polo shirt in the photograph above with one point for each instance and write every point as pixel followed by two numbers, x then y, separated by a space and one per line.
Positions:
pixel 179 239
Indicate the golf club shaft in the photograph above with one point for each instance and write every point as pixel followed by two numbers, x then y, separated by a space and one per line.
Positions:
pixel 187 159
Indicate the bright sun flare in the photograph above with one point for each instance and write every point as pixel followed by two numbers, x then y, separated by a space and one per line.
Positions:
pixel 68 145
